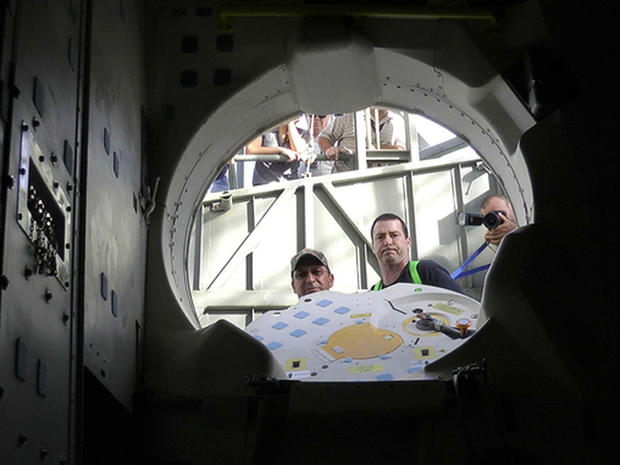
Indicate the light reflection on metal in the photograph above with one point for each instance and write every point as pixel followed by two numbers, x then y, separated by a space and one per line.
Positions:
pixel 370 11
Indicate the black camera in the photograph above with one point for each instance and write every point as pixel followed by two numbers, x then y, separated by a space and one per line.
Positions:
pixel 491 220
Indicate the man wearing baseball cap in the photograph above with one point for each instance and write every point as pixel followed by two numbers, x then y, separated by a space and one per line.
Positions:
pixel 310 272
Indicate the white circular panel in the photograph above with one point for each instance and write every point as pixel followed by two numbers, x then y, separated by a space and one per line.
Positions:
pixel 370 336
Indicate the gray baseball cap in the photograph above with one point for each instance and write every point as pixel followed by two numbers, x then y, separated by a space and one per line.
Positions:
pixel 308 253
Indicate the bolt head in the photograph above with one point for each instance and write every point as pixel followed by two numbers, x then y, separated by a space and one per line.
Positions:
pixel 21 439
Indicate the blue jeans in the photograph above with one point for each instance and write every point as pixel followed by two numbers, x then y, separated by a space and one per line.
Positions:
pixel 221 182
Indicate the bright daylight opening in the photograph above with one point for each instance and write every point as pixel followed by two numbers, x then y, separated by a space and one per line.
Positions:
pixel 285 190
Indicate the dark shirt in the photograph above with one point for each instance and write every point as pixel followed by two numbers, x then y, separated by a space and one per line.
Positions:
pixel 431 274
pixel 269 171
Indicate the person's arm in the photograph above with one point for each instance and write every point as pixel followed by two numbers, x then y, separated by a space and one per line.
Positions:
pixel 392 146
pixel 328 149
pixel 299 144
pixel 256 148
pixel 494 236
pixel 329 136
pixel 324 143
pixel 296 140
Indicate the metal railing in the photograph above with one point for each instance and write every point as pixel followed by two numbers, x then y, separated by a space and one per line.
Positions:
pixel 366 135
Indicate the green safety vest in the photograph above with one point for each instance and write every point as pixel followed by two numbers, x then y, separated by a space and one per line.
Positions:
pixel 413 271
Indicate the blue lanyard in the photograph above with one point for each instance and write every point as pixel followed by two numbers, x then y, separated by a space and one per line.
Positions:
pixel 459 273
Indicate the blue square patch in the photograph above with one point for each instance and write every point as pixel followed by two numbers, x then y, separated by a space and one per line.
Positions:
pixel 298 333
pixel 385 377
pixel 274 345
pixel 342 310
pixel 320 321
pixel 301 315
pixel 258 338
pixel 279 325
pixel 414 368
pixel 324 303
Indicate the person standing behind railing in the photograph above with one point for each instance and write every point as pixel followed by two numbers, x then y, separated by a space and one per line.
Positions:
pixel 316 123
pixel 339 136
pixel 285 140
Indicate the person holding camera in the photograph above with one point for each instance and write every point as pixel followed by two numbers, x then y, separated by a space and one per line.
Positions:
pixel 500 206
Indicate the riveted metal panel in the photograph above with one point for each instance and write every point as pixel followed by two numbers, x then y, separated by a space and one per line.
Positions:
pixel 36 303
pixel 115 231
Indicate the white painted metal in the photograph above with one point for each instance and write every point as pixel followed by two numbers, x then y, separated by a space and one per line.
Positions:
pixel 366 336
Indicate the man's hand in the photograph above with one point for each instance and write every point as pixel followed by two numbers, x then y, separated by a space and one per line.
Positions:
pixel 332 153
pixel 290 154
pixel 495 236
